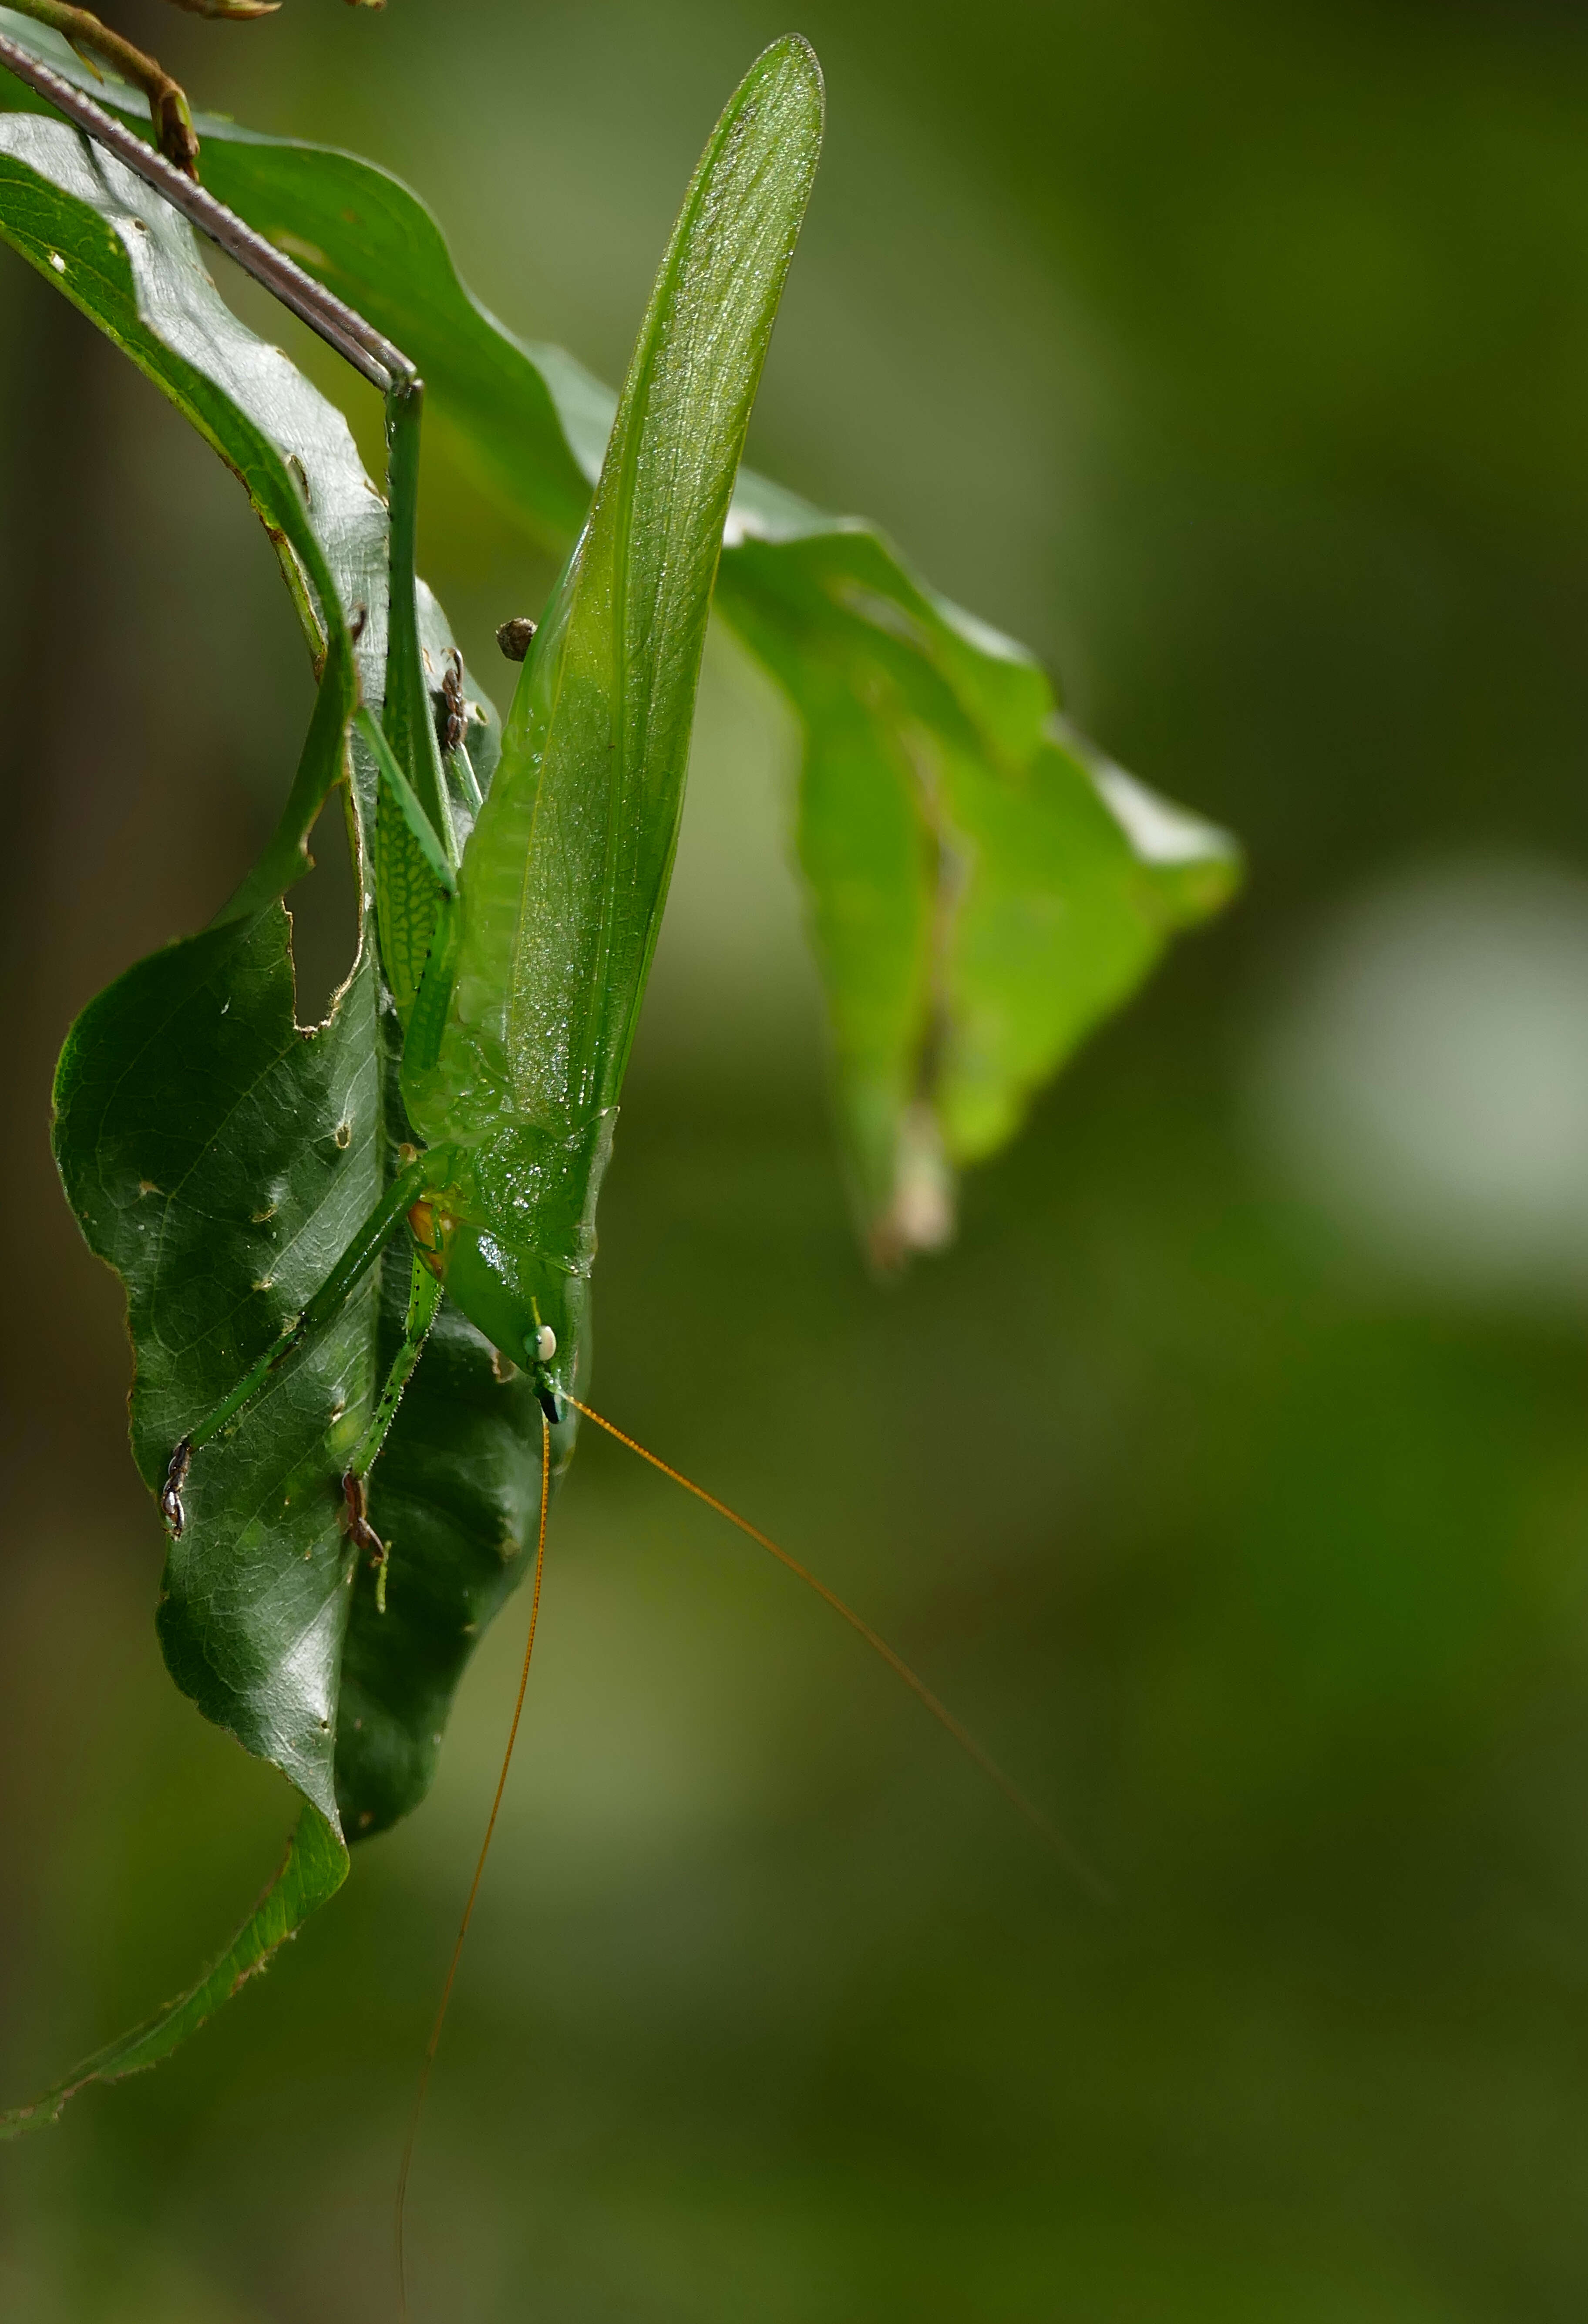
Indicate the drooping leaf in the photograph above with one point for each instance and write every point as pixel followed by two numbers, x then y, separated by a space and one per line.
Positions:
pixel 985 889
pixel 118 252
pixel 314 1867
pixel 218 1154
pixel 220 1161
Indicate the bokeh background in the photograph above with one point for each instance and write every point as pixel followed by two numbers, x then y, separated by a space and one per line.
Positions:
pixel 1230 1476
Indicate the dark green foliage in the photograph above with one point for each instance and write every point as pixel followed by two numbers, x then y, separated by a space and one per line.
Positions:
pixel 219 1159
pixel 267 1142
pixel 981 894
pixel 927 735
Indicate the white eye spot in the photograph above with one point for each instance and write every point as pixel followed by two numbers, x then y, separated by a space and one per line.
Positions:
pixel 543 1346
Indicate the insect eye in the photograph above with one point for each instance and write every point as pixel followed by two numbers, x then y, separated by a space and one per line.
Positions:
pixel 542 1344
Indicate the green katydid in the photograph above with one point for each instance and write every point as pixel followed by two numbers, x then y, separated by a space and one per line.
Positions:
pixel 517 964
pixel 518 971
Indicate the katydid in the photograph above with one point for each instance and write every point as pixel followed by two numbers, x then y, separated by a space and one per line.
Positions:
pixel 518 970
pixel 516 961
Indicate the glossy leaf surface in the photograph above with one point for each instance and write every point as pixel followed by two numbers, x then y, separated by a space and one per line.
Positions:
pixel 940 795
pixel 980 895
pixel 930 739
pixel 217 1154
pixel 118 252
pixel 220 1160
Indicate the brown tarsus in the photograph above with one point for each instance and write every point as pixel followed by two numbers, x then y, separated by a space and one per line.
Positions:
pixel 171 1492
pixel 355 1517
pixel 452 697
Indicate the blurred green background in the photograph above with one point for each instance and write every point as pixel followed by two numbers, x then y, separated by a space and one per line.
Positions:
pixel 1231 1475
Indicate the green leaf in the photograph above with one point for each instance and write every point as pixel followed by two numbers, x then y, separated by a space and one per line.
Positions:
pixel 984 888
pixel 314 1867
pixel 982 891
pixel 117 252
pixel 220 1161
pixel 940 795
pixel 218 1156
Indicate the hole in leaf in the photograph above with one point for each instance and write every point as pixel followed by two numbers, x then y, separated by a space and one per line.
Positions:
pixel 325 916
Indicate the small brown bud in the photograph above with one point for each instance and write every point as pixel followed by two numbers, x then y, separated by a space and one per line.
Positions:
pixel 514 637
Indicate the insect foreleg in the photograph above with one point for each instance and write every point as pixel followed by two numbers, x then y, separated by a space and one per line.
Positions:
pixel 455 706
pixel 429 1002
pixel 328 1302
pixel 424 1296
pixel 406 714
pixel 405 799
pixel 462 767
pixel 406 853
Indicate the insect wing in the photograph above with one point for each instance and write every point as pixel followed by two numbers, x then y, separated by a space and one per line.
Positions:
pixel 565 873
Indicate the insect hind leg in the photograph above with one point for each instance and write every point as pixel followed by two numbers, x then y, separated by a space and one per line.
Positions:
pixel 327 1303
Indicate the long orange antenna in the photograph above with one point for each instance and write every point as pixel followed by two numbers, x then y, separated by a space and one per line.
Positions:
pixel 468 1911
pixel 1074 1862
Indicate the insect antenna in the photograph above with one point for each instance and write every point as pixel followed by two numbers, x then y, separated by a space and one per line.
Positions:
pixel 1073 1860
pixel 433 2044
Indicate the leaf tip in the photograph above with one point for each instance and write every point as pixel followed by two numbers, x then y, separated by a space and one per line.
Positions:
pixel 793 59
pixel 920 1216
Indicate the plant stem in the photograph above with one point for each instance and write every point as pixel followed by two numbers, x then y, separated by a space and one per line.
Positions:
pixel 168 105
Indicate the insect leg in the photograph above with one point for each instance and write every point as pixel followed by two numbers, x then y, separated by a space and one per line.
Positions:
pixel 406 714
pixel 406 878
pixel 454 728
pixel 424 1296
pixel 462 767
pixel 406 801
pixel 328 1302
